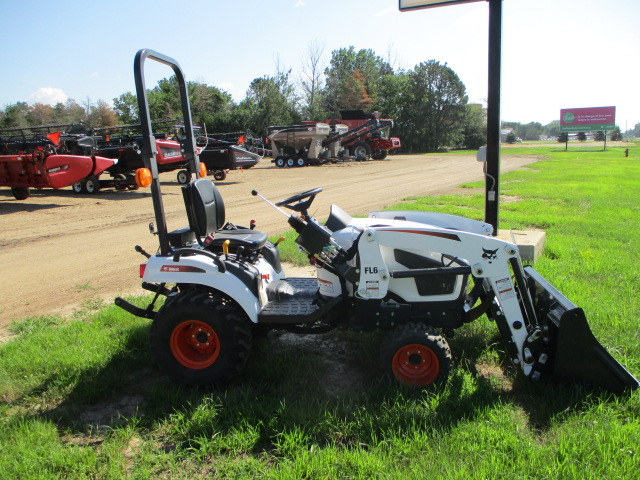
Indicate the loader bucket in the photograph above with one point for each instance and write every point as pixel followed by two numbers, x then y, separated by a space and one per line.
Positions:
pixel 575 353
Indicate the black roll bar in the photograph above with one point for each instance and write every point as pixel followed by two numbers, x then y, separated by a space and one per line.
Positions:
pixel 149 150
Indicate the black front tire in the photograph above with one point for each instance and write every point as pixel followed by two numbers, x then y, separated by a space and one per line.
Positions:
pixel 379 155
pixel 416 355
pixel 200 338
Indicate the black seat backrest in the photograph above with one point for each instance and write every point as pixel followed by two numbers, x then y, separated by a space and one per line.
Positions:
pixel 204 205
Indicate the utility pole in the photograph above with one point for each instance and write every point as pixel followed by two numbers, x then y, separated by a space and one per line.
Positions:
pixel 492 182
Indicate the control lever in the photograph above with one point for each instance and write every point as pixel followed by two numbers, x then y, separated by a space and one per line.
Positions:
pixel 256 194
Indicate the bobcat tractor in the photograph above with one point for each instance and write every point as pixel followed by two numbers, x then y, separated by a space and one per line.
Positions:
pixel 418 276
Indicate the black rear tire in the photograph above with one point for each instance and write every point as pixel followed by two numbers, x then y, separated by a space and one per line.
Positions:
pixel 219 175
pixel 20 193
pixel 416 355
pixel 200 338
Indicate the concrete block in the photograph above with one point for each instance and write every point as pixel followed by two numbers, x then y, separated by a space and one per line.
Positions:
pixel 529 242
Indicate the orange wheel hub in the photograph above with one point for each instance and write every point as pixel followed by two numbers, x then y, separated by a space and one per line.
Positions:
pixel 415 364
pixel 194 344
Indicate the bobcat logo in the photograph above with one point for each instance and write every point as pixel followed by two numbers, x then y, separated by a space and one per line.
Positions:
pixel 490 254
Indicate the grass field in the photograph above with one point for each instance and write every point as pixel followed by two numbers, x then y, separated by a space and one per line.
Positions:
pixel 81 398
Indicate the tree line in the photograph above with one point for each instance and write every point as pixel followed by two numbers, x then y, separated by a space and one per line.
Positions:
pixel 428 103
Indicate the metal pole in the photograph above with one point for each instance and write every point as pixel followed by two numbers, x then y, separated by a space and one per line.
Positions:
pixel 492 181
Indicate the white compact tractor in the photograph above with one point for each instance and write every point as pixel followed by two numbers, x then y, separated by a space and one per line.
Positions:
pixel 417 275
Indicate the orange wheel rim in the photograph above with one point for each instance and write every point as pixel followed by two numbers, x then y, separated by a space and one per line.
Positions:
pixel 195 344
pixel 415 364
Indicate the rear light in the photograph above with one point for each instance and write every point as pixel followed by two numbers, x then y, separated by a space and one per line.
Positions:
pixel 143 267
pixel 143 177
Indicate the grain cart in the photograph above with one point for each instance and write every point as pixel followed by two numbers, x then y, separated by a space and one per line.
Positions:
pixel 416 275
pixel 310 143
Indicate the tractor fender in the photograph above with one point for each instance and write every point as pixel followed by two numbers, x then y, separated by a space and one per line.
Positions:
pixel 201 270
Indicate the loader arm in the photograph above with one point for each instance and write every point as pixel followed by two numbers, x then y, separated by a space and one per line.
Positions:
pixel 542 330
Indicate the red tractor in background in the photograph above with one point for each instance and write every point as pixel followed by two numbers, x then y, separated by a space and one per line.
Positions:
pixel 368 135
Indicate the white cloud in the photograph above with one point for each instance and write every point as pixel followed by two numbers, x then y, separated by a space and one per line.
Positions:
pixel 94 76
pixel 49 95
pixel 300 3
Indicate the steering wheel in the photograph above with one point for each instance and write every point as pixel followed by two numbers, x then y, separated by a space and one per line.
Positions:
pixel 302 205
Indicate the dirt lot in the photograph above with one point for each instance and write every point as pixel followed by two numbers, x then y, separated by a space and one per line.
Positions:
pixel 59 250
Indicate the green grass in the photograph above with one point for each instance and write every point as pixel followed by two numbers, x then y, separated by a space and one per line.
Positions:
pixel 81 397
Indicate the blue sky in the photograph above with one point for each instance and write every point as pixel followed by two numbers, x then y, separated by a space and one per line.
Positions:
pixel 556 53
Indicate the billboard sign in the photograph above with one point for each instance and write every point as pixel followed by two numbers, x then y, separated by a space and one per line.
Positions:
pixel 406 5
pixel 587 119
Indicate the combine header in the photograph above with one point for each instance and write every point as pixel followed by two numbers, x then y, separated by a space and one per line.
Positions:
pixel 47 157
pixel 222 152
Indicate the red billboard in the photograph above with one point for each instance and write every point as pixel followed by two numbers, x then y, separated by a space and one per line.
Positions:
pixel 587 119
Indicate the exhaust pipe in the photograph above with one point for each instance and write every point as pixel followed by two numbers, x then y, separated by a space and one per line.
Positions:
pixel 575 353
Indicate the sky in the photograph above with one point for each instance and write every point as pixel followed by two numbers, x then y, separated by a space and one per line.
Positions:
pixel 555 53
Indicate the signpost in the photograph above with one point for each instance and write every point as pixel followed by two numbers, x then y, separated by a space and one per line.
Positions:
pixel 492 180
pixel 592 119
pixel 587 119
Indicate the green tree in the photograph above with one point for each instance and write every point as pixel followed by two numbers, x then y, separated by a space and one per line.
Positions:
pixel 435 103
pixel 126 108
pixel 16 115
pixel 599 136
pixel 341 69
pixel 530 131
pixel 269 101
pixel 563 137
pixel 511 138
pixel 552 129
pixel 475 127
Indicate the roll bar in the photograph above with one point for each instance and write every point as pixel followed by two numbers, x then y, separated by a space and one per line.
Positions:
pixel 149 149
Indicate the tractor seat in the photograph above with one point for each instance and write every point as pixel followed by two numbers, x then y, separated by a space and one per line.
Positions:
pixel 240 237
pixel 206 214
